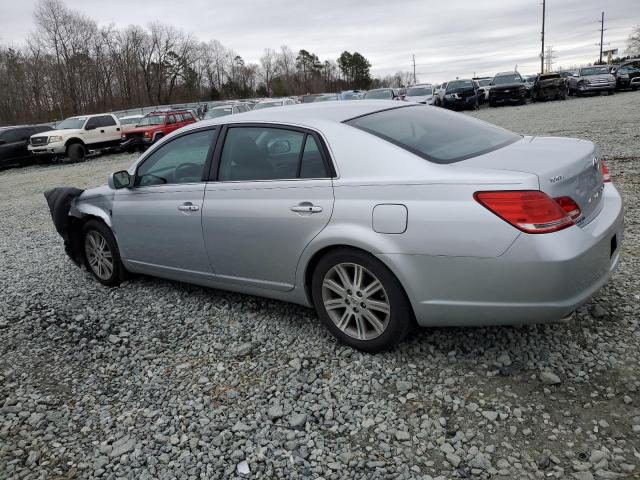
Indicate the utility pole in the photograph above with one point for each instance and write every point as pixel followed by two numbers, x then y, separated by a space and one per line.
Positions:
pixel 542 39
pixel 414 69
pixel 601 36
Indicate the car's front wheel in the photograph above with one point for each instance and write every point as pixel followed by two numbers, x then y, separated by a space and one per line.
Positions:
pixel 76 152
pixel 360 300
pixel 101 253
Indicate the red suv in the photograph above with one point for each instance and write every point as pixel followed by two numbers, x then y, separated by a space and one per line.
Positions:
pixel 156 125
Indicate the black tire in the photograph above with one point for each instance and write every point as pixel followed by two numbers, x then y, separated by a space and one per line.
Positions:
pixel 634 89
pixel 76 152
pixel 400 318
pixel 158 137
pixel 492 104
pixel 612 91
pixel 118 272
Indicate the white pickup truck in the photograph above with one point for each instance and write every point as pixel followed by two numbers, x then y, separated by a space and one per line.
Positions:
pixel 75 137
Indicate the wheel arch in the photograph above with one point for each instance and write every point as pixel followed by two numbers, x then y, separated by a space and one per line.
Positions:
pixel 72 141
pixel 315 257
pixel 74 232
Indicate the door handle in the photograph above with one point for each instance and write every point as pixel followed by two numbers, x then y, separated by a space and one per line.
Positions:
pixel 188 207
pixel 306 207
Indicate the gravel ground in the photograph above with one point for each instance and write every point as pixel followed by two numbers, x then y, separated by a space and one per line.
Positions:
pixel 161 380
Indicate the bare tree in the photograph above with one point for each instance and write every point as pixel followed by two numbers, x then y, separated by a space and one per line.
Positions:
pixel 633 43
pixel 270 67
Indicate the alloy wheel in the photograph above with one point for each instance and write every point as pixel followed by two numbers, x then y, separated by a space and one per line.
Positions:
pixel 99 255
pixel 356 301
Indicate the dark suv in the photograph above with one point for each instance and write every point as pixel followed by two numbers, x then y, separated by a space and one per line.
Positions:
pixel 461 95
pixel 14 141
pixel 507 87
pixel 627 74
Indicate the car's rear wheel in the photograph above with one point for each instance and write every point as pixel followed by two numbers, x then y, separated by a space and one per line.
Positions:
pixel 76 152
pixel 101 253
pixel 360 301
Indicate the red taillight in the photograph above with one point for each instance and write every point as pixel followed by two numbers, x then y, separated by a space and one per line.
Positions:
pixel 569 206
pixel 531 211
pixel 605 172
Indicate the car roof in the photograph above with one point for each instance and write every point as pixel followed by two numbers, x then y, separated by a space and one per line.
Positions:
pixel 421 85
pixel 137 115
pixel 308 114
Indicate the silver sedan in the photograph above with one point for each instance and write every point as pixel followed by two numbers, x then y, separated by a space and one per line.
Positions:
pixel 378 214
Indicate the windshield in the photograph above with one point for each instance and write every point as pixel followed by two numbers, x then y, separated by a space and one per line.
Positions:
pixel 437 135
pixel 485 82
pixel 321 98
pixel 218 112
pixel 349 96
pixel 260 106
pixel 130 121
pixel 459 85
pixel 502 79
pixel 594 71
pixel 378 95
pixel 419 91
pixel 71 123
pixel 151 120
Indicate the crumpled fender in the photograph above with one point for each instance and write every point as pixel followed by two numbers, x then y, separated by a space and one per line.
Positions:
pixel 59 201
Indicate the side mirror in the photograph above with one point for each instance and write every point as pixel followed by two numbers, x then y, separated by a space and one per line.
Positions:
pixel 119 180
pixel 90 126
pixel 279 147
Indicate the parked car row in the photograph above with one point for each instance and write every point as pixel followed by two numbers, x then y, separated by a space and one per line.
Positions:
pixel 79 136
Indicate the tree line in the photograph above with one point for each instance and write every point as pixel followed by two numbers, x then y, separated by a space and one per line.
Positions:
pixel 71 66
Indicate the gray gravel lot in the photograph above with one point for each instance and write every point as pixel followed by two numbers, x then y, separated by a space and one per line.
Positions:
pixel 162 380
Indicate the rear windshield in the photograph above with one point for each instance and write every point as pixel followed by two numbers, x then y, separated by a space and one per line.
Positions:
pixel 419 91
pixel 437 135
pixel 594 71
pixel 218 112
pixel 378 94
pixel 502 79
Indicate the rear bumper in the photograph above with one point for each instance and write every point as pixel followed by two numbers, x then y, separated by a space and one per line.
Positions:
pixel 540 278
pixel 512 96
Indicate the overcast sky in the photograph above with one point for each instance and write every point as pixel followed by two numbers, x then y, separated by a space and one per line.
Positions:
pixel 449 38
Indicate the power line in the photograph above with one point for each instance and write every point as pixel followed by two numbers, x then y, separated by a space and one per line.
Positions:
pixel 542 38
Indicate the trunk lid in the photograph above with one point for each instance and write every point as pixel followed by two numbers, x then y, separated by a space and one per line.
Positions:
pixel 564 167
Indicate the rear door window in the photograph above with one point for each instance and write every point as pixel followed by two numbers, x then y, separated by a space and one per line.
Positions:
pixel 437 135
pixel 266 153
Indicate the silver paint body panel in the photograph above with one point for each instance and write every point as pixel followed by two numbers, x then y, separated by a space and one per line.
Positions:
pixel 459 263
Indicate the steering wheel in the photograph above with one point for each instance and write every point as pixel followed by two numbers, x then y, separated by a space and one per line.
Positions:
pixel 188 171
